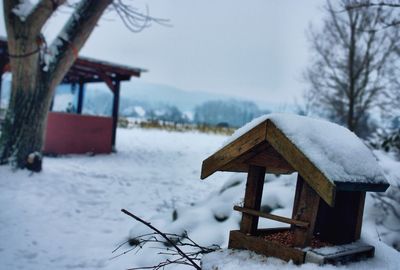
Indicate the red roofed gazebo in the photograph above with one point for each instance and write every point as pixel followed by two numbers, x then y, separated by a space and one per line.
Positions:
pixel 74 133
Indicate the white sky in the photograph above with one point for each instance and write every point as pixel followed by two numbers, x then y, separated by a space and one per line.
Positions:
pixel 255 49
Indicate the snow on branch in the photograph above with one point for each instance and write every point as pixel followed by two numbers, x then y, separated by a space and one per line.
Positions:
pixel 66 46
pixel 23 9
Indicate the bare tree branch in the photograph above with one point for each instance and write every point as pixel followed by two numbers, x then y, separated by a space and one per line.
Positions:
pixel 133 19
pixel 366 4
pixel 190 256
pixel 74 35
pixel 164 236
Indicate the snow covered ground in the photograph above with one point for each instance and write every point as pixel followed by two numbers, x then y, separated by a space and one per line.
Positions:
pixel 68 216
pixel 385 258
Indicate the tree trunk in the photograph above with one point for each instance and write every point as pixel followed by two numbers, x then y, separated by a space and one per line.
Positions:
pixel 25 123
pixel 352 54
pixel 22 132
pixel 32 87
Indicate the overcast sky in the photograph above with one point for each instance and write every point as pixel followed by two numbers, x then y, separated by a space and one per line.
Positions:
pixel 255 49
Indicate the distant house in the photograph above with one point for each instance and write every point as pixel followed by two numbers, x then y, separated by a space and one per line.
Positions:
pixel 68 133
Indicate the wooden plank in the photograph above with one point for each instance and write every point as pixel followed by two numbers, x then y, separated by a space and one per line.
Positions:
pixel 263 155
pixel 341 224
pixel 235 149
pixel 359 215
pixel 252 198
pixel 271 160
pixel 108 67
pixel 311 174
pixel 346 186
pixel 107 80
pixel 299 186
pixel 239 240
pixel 235 167
pixel 307 211
pixel 271 216
pixel 239 164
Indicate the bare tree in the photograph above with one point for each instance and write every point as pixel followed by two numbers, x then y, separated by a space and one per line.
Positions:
pixel 37 70
pixel 387 21
pixel 349 75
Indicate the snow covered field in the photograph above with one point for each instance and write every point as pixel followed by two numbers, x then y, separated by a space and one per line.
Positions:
pixel 68 216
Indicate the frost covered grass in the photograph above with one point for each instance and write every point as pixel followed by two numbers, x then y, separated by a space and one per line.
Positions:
pixel 68 216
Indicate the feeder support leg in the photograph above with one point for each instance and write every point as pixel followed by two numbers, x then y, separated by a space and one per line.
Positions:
pixel 306 209
pixel 252 198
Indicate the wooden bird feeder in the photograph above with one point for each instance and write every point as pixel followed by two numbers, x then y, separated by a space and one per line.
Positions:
pixel 329 198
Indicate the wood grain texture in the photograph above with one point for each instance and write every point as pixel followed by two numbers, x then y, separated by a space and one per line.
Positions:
pixel 299 186
pixel 262 155
pixel 307 210
pixel 272 217
pixel 341 224
pixel 271 160
pixel 240 146
pixel 295 157
pixel 239 240
pixel 346 186
pixel 360 201
pixel 252 198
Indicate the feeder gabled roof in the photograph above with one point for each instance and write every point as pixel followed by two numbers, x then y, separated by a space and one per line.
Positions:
pixel 328 156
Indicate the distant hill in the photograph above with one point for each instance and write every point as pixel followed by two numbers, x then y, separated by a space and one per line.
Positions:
pixel 159 94
pixel 150 100
pixel 138 95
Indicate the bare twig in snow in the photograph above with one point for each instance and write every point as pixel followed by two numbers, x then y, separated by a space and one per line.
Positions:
pixel 174 245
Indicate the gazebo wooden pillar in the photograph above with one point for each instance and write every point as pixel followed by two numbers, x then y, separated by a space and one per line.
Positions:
pixel 81 89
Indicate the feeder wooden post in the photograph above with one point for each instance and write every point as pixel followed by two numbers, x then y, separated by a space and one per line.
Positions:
pixel 299 186
pixel 252 198
pixel 341 224
pixel 306 210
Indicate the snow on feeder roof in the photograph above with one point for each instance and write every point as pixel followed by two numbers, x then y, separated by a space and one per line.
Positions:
pixel 335 169
pixel 329 157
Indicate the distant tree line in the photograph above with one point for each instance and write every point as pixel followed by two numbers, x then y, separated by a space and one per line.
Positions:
pixel 231 113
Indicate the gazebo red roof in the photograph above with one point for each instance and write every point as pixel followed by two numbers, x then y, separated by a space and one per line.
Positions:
pixel 86 69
